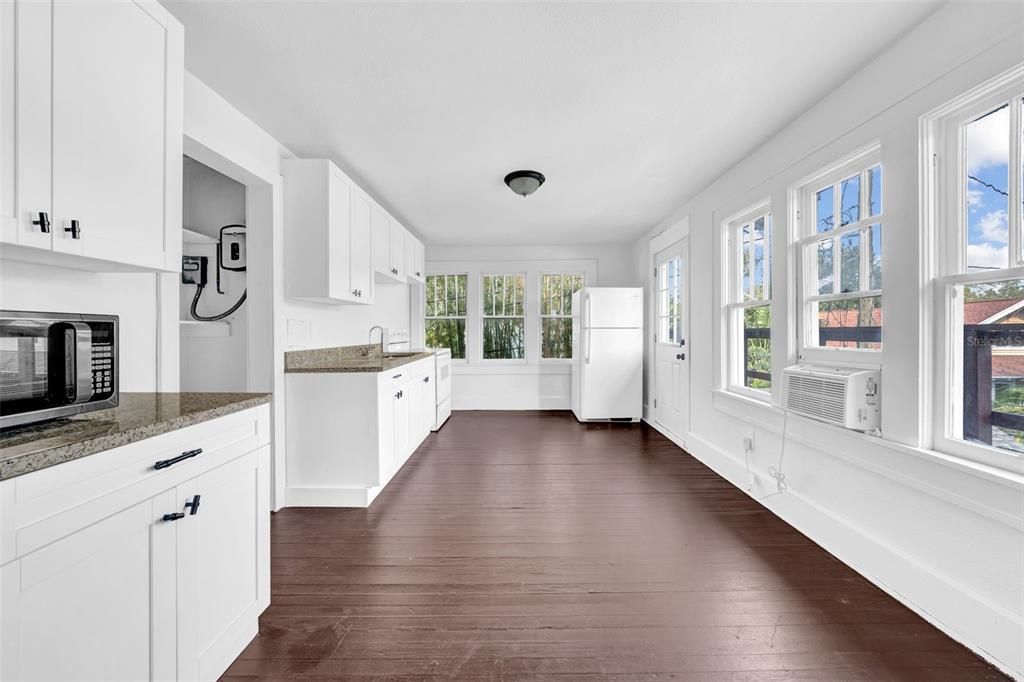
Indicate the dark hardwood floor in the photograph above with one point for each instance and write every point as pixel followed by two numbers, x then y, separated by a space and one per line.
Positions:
pixel 527 546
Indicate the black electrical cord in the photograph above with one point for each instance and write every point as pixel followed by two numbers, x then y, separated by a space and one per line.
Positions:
pixel 214 318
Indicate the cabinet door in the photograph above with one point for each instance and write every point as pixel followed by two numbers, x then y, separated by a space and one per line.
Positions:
pixel 98 604
pixel 117 135
pixel 223 558
pixel 339 234
pixel 429 405
pixel 381 226
pixel 414 390
pixel 398 251
pixel 24 122
pixel 414 258
pixel 401 426
pixel 362 247
pixel 386 434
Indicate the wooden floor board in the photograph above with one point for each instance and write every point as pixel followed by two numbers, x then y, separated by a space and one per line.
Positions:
pixel 527 546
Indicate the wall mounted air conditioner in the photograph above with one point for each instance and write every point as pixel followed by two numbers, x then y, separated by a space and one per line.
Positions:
pixel 842 396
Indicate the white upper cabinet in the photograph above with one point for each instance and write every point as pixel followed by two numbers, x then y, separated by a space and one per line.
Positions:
pixel 389 247
pixel 362 245
pixel 91 134
pixel 328 245
pixel 414 258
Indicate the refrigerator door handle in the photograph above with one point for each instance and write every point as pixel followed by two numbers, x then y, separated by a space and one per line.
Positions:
pixel 587 311
pixel 586 347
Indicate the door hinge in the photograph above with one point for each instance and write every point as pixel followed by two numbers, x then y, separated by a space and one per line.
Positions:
pixel 655 402
pixel 655 273
pixel 935 160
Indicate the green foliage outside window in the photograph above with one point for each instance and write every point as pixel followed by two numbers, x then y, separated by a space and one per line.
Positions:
pixel 445 322
pixel 556 314
pixel 758 351
pixel 504 322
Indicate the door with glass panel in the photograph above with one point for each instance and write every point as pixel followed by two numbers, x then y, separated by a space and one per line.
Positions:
pixel 671 353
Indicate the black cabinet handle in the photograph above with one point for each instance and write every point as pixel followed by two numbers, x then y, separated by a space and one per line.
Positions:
pixel 426 380
pixel 193 505
pixel 188 454
pixel 174 517
pixel 75 230
pixel 397 376
pixel 43 222
pixel 399 395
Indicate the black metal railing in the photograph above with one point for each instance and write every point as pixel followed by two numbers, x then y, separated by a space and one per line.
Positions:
pixel 825 335
pixel 979 417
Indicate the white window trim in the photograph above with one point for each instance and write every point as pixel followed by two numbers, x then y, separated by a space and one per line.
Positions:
pixel 474 269
pixel 803 232
pixel 466 317
pixel 733 306
pixel 541 316
pixel 942 146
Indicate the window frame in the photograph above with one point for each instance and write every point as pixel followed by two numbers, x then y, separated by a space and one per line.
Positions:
pixel 541 316
pixel 661 338
pixel 802 197
pixel 944 205
pixel 483 318
pixel 734 306
pixel 464 318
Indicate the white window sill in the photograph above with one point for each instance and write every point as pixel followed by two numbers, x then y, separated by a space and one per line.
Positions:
pixel 507 369
pixel 816 434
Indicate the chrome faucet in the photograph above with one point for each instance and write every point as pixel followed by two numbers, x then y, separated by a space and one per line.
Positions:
pixel 369 339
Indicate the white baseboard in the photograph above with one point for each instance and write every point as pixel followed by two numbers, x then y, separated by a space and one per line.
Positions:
pixel 330 497
pixel 988 629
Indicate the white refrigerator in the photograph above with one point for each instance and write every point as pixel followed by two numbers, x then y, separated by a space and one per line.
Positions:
pixel 607 353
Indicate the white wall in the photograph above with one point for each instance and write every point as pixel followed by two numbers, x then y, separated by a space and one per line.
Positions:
pixel 941 534
pixel 131 296
pixel 221 137
pixel 532 385
pixel 210 361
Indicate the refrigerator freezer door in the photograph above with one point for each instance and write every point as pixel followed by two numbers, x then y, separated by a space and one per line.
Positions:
pixel 612 307
pixel 611 384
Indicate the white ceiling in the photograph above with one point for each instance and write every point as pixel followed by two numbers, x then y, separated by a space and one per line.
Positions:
pixel 628 109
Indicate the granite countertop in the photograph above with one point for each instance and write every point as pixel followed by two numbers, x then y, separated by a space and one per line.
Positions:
pixel 24 449
pixel 347 359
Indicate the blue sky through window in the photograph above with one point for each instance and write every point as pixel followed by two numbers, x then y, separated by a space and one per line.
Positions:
pixel 987 181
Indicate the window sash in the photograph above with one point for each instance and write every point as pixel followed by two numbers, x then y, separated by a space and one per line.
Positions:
pixel 506 279
pixel 739 298
pixel 555 316
pixel 447 316
pixel 860 165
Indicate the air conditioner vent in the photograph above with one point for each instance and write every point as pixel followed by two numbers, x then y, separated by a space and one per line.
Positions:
pixel 845 397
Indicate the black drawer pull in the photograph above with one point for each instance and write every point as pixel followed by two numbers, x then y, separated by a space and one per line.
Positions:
pixel 188 454
pixel 397 376
pixel 193 505
pixel 174 517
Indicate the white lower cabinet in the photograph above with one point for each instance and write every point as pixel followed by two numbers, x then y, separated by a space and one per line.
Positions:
pixel 111 572
pixel 348 433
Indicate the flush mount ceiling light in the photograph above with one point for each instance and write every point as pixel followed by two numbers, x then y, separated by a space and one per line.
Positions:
pixel 524 182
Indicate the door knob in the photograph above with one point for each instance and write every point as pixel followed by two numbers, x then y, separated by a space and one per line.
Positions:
pixel 43 222
pixel 680 356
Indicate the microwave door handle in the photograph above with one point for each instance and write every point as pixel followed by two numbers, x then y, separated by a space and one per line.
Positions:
pixel 82 355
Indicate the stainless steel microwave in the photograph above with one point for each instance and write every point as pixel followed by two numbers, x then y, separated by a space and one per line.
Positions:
pixel 56 365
